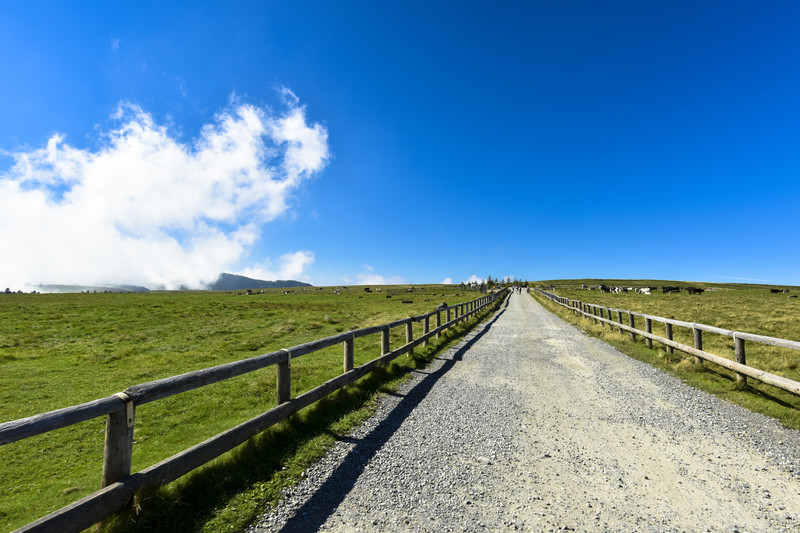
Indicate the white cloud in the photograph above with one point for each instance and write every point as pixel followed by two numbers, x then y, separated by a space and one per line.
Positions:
pixel 475 279
pixel 145 208
pixel 447 281
pixel 292 266
pixel 369 277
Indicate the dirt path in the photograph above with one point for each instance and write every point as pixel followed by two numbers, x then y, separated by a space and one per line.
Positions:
pixel 532 425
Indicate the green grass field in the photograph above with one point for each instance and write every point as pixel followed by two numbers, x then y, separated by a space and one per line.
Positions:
pixel 746 308
pixel 58 350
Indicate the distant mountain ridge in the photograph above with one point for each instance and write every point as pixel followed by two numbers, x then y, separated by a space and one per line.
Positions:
pixel 234 282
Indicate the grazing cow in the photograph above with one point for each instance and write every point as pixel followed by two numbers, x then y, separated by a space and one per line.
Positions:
pixel 605 288
pixel 667 290
pixel 643 290
pixel 774 291
pixel 694 290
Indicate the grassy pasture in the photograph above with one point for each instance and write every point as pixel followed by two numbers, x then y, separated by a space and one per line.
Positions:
pixel 746 308
pixel 58 350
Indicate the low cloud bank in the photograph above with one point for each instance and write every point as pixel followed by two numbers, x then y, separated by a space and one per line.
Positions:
pixel 147 209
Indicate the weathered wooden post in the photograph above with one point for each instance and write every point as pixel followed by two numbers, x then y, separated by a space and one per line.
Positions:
pixel 668 328
pixel 448 315
pixel 648 323
pixel 740 358
pixel 409 335
pixel 426 328
pixel 284 386
pixel 632 323
pixel 438 323
pixel 698 343
pixel 385 340
pixel 349 350
pixel 619 318
pixel 119 442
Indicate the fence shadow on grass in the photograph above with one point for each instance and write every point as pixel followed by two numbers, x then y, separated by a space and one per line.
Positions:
pixel 196 498
pixel 311 515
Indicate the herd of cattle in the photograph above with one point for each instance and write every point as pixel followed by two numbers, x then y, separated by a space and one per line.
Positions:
pixel 650 290
pixel 664 290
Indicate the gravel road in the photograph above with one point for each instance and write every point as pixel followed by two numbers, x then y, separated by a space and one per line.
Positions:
pixel 531 425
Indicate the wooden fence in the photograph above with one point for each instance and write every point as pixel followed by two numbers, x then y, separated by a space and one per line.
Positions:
pixel 598 314
pixel 118 484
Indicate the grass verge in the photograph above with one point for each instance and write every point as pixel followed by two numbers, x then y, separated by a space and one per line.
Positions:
pixel 58 350
pixel 231 492
pixel 711 378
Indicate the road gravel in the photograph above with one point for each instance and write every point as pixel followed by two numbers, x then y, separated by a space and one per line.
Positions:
pixel 531 425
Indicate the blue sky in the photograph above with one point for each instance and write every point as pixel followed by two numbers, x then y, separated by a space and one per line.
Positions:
pixel 161 143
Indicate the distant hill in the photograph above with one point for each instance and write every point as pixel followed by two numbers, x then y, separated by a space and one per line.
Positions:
pixel 233 282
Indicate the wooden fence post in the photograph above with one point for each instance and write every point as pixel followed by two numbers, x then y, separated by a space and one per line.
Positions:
pixel 385 341
pixel 668 328
pixel 438 324
pixel 632 323
pixel 448 315
pixel 409 335
pixel 698 343
pixel 349 350
pixel 118 443
pixel 740 358
pixel 619 318
pixel 648 323
pixel 284 386
pixel 426 328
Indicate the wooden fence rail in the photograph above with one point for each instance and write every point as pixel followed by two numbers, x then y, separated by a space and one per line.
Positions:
pixel 596 313
pixel 118 484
